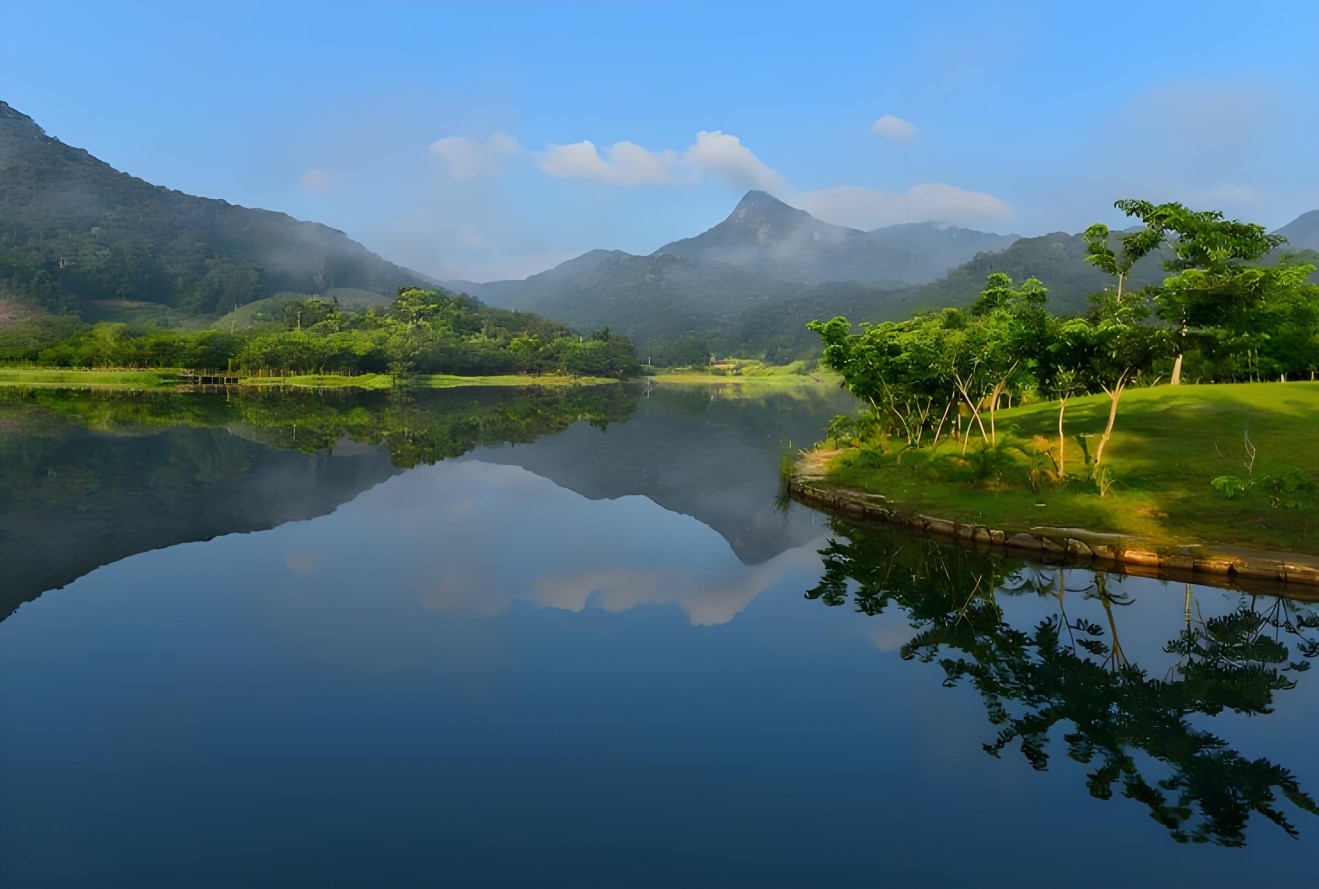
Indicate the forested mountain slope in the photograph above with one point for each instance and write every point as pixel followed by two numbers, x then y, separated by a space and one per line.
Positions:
pixel 75 233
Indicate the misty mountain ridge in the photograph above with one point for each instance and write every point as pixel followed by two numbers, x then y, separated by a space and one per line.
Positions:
pixel 75 233
pixel 766 235
pixel 765 256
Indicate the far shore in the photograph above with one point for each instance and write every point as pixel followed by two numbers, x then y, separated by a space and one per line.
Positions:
pixel 173 379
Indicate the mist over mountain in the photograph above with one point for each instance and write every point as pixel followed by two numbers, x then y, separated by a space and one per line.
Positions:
pixel 77 234
pixel 765 261
pixel 936 247
pixel 767 236
pixel 655 298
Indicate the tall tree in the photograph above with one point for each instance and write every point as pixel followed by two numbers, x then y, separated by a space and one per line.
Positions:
pixel 1216 281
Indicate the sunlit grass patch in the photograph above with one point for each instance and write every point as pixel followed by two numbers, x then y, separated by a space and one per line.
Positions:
pixel 1168 446
pixel 74 378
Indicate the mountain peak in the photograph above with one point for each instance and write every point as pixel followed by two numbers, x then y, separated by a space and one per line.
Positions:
pixel 756 198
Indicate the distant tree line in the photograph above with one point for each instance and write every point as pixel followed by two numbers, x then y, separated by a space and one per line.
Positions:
pixel 423 331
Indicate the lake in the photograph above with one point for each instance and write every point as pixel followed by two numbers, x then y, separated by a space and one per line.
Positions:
pixel 576 638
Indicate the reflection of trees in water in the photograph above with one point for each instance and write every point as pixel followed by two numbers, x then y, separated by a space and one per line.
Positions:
pixel 1073 675
pixel 87 478
pixel 417 427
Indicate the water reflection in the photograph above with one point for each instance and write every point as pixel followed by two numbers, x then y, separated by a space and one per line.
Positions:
pixel 1066 674
pixel 87 478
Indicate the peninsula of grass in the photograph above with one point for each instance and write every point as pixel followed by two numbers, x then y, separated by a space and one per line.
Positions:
pixel 1169 445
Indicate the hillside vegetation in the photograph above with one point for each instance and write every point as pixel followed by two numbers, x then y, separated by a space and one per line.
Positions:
pixel 423 332
pixel 1106 450
pixel 78 235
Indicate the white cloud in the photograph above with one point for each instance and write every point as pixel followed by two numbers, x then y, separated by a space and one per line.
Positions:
pixel 894 128
pixel 866 208
pixel 627 164
pixel 624 164
pixel 727 158
pixel 316 180
pixel 470 160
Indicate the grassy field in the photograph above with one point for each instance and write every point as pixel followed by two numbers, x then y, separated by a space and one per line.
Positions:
pixel 77 379
pixel 1168 446
pixel 321 381
pixel 153 379
pixel 696 378
pixel 449 381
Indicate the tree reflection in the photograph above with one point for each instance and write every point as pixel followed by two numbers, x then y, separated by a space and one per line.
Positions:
pixel 1070 677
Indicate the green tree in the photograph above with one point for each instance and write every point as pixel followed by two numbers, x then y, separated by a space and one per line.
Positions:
pixel 1217 284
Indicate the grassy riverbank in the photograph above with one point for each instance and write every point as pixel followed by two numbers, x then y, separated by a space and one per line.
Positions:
pixel 77 378
pixel 1168 447
pixel 74 378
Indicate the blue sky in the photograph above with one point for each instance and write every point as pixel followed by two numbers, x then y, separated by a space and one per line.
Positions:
pixel 452 138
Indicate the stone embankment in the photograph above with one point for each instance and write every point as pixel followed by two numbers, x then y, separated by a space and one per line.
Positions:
pixel 1074 546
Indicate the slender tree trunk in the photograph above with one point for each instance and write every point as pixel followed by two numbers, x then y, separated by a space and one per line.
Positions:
pixel 1062 442
pixel 938 430
pixel 1114 396
pixel 1176 371
pixel 993 408
pixel 975 415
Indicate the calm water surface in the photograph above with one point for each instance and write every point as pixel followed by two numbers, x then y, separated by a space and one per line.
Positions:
pixel 367 641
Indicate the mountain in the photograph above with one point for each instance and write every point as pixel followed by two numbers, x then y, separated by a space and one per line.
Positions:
pixel 767 236
pixel 765 259
pixel 656 298
pixel 77 234
pixel 1302 233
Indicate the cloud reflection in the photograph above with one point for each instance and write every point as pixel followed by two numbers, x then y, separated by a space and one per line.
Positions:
pixel 478 539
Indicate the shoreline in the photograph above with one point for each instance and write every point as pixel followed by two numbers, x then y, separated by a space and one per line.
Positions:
pixel 172 380
pixel 1296 572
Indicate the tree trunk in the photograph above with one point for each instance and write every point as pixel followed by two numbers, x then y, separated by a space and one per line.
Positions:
pixel 975 415
pixel 1177 371
pixel 993 407
pixel 1062 442
pixel 1114 396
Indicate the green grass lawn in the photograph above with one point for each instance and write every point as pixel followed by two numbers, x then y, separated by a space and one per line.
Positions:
pixel 71 378
pixel 1169 443
pixel 699 378
pixel 449 381
pixel 322 381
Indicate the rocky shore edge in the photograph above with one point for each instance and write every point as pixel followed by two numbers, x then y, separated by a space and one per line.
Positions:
pixel 1243 567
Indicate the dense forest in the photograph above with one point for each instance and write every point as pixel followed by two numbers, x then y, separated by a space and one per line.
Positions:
pixel 422 332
